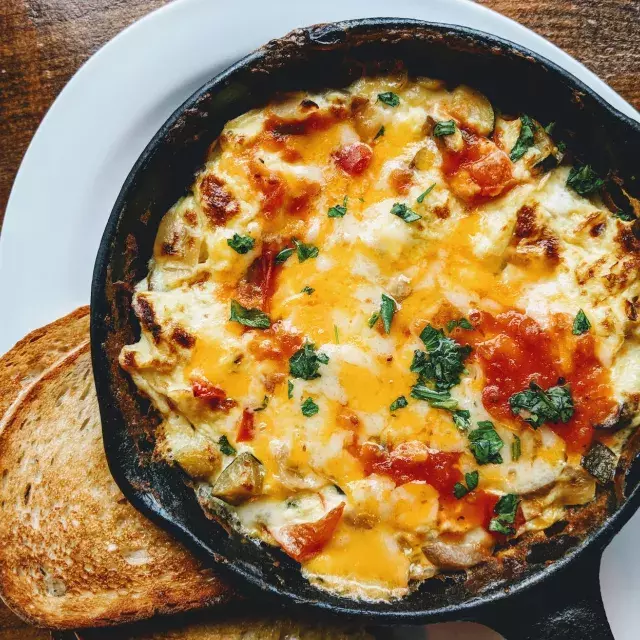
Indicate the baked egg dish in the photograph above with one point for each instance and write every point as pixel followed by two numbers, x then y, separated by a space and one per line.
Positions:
pixel 390 330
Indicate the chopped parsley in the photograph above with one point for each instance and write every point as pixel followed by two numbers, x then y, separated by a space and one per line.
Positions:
pixel 444 128
pixel 254 318
pixel 309 408
pixel 516 448
pixel 338 210
pixel 373 319
pixel 380 133
pixel 305 251
pixel 505 511
pixel 398 403
pixel 283 255
pixel 389 98
pixel 305 362
pixel 241 244
pixel 404 213
pixel 463 323
pixel 584 180
pixel 581 324
pixel 443 363
pixel 289 389
pixel 537 406
pixel 472 478
pixel 387 309
pixel 424 194
pixel 225 446
pixel 336 335
pixel 625 216
pixel 550 127
pixel 436 399
pixel 486 443
pixel 264 405
pixel 525 139
pixel 308 290
pixel 462 419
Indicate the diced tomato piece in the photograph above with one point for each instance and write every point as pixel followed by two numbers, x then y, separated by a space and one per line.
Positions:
pixel 412 461
pixel 215 396
pixel 276 343
pixel 256 288
pixel 354 159
pixel 473 510
pixel 246 428
pixel 303 541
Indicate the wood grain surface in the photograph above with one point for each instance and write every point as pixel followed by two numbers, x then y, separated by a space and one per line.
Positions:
pixel 43 43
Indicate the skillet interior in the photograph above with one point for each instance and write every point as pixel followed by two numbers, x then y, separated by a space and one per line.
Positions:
pixel 317 57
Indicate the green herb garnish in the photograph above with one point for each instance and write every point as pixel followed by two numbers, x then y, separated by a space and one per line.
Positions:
pixel 550 127
pixel 584 180
pixel 443 363
pixel 581 324
pixel 380 133
pixel 264 405
pixel 305 251
pixel 309 408
pixel 424 194
pixel 444 128
pixel 373 319
pixel 516 448
pixel 404 213
pixel 462 419
pixel 225 446
pixel 387 309
pixel 505 511
pixel 308 290
pixel 486 443
pixel 463 323
pixel 336 335
pixel 537 406
pixel 254 318
pixel 338 210
pixel 625 216
pixel 436 399
pixel 389 98
pixel 398 403
pixel 289 389
pixel 525 139
pixel 283 255
pixel 241 244
pixel 305 362
pixel 472 478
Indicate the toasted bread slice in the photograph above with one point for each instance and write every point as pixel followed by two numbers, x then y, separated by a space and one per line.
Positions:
pixel 75 553
pixel 251 629
pixel 38 351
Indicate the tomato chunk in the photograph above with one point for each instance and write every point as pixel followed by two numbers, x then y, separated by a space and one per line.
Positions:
pixel 354 159
pixel 258 284
pixel 246 428
pixel 303 541
pixel 412 461
pixel 214 396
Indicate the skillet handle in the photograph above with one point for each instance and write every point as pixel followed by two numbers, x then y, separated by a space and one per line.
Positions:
pixel 567 606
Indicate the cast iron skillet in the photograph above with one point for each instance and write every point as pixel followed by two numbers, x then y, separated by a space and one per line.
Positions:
pixel 527 597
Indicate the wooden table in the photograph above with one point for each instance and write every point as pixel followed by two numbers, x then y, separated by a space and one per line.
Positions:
pixel 43 42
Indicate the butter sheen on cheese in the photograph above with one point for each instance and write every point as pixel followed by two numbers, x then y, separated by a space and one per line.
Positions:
pixel 327 219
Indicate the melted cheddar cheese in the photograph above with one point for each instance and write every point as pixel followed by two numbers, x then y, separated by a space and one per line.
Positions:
pixel 311 212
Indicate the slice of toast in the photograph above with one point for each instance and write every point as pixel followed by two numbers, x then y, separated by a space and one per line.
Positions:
pixel 74 553
pixel 38 351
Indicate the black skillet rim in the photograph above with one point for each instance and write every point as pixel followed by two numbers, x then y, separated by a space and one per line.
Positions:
pixel 594 542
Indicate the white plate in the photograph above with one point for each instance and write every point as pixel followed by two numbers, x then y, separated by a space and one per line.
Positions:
pixel 102 120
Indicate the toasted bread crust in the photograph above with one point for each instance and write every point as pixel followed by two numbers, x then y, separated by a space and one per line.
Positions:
pixel 75 553
pixel 37 351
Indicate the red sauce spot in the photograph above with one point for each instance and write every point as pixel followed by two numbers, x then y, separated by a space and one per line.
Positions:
pixel 303 541
pixel 354 159
pixel 411 461
pixel 257 286
pixel 480 171
pixel 246 428
pixel 273 191
pixel 214 396
pixel 514 350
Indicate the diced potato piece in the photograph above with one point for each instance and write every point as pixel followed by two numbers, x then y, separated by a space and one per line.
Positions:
pixel 460 552
pixel 201 460
pixel 240 480
pixel 472 109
